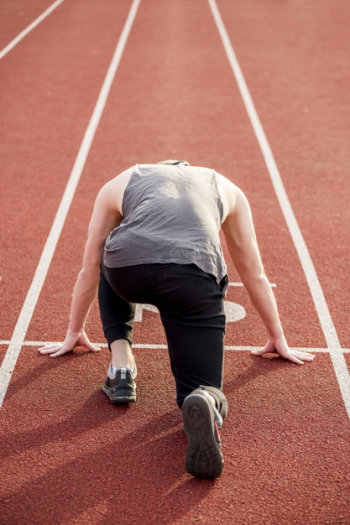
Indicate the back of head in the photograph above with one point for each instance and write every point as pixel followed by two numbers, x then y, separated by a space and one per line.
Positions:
pixel 174 162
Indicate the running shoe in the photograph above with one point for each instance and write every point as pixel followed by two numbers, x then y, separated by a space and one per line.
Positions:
pixel 120 387
pixel 202 424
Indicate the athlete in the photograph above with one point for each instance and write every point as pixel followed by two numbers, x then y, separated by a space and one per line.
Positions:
pixel 155 227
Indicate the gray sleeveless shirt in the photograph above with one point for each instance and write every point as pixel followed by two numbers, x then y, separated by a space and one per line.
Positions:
pixel 171 214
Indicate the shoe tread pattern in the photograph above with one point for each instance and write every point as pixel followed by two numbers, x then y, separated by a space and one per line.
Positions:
pixel 203 458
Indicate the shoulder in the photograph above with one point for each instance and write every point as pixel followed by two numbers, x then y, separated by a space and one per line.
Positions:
pixel 112 193
pixel 120 182
pixel 230 194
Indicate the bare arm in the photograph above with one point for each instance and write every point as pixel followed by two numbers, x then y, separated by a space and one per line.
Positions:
pixel 104 219
pixel 241 241
pixel 242 244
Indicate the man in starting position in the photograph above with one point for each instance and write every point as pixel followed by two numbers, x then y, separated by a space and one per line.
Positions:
pixel 155 227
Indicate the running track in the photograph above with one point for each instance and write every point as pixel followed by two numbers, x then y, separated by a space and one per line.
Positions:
pixel 93 88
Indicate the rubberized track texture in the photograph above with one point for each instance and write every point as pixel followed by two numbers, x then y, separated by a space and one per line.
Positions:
pixel 257 90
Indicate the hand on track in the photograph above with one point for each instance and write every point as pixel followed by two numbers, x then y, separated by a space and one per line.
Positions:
pixel 279 346
pixel 71 342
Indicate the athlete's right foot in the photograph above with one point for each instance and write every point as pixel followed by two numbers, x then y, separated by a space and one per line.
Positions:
pixel 203 458
pixel 120 387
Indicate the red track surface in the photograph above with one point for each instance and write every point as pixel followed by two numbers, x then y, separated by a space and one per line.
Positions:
pixel 67 455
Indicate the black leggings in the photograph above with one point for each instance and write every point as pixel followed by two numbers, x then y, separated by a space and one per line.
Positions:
pixel 191 308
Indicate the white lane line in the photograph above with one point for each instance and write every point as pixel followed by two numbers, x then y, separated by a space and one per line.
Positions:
pixel 330 334
pixel 32 26
pixel 155 346
pixel 25 316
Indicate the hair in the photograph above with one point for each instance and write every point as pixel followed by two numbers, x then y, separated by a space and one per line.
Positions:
pixel 174 162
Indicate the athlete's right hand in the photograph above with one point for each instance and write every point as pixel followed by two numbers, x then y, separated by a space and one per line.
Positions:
pixel 72 341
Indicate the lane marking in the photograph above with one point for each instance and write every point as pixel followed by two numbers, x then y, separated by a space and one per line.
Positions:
pixel 28 307
pixel 32 26
pixel 328 328
pixel 162 346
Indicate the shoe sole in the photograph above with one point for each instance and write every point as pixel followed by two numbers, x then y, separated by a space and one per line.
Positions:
pixel 203 457
pixel 123 396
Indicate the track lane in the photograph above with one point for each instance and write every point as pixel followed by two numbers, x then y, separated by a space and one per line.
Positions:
pixel 15 17
pixel 24 319
pixel 301 94
pixel 321 306
pixel 43 119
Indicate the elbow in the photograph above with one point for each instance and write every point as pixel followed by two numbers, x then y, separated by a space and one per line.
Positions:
pixel 90 274
pixel 256 280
